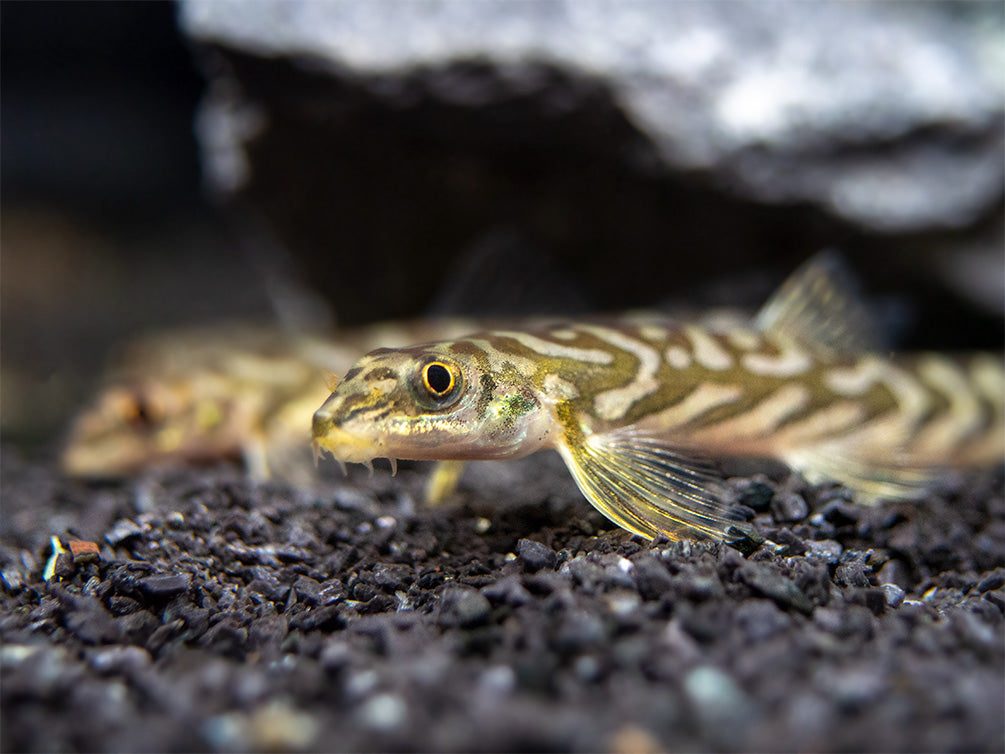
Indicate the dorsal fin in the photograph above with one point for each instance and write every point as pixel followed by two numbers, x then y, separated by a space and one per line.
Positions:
pixel 819 306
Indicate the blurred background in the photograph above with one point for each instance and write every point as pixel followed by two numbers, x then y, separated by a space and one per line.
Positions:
pixel 318 164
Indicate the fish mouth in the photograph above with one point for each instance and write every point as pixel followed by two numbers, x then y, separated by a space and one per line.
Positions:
pixel 345 447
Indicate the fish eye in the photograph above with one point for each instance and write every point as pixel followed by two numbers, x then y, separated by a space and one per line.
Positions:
pixel 436 384
pixel 438 379
pixel 139 411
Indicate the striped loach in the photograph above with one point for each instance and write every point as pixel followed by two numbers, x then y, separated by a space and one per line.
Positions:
pixel 638 405
pixel 206 394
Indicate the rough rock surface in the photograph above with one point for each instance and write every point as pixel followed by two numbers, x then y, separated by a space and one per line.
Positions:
pixel 866 109
pixel 647 150
pixel 219 615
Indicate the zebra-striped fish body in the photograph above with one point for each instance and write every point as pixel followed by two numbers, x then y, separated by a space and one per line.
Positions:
pixel 633 404
pixel 229 390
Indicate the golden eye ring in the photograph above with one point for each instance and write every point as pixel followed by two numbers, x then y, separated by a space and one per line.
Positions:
pixel 438 379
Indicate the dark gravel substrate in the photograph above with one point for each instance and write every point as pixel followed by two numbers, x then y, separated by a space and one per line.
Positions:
pixel 227 616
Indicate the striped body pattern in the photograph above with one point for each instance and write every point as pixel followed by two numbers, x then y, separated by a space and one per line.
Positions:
pixel 749 393
pixel 223 391
pixel 636 405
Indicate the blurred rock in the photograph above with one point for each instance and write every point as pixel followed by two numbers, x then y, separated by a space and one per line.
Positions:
pixel 535 555
pixel 768 94
pixel 464 607
pixel 752 131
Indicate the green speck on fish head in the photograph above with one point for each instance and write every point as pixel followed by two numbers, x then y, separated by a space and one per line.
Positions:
pixel 519 404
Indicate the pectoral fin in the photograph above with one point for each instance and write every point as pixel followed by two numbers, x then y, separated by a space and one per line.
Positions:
pixel 643 485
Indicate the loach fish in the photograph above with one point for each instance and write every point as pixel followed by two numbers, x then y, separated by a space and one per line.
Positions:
pixel 638 406
pixel 223 391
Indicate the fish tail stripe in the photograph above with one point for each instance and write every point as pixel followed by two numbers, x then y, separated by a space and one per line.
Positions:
pixel 912 399
pixel 987 375
pixel 853 381
pixel 964 414
pixel 988 378
pixel 830 421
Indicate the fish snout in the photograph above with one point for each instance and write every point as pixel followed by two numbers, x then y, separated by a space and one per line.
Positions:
pixel 345 444
pixel 322 424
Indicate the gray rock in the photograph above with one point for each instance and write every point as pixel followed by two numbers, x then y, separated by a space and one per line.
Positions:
pixel 383 712
pixel 853 688
pixel 720 704
pixel 535 555
pixel 579 631
pixel 165 584
pixel 587 574
pixel 789 507
pixel 783 101
pixel 308 589
pixel 995 580
pixel 853 570
pixel 894 595
pixel 769 581
pixel 854 620
pixel 760 620
pixel 124 660
pixel 651 578
pixel 508 591
pixel 463 607
pixel 825 550
pixel 754 493
pixel 122 531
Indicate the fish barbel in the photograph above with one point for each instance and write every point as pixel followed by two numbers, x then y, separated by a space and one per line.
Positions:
pixel 636 406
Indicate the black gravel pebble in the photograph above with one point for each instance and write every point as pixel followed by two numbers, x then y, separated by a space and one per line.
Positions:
pixel 769 581
pixel 755 493
pixel 995 581
pixel 464 608
pixel 535 555
pixel 826 550
pixel 164 586
pixel 789 507
pixel 893 595
pixel 652 578
pixel 225 616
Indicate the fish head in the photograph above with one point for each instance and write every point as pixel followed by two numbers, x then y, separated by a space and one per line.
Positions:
pixel 133 425
pixel 440 401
